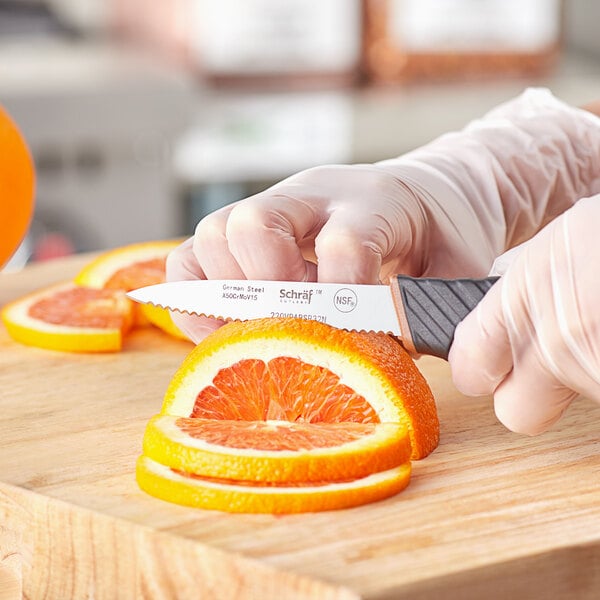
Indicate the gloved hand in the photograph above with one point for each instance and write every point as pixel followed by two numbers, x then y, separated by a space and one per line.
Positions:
pixel 359 223
pixel 447 209
pixel 534 340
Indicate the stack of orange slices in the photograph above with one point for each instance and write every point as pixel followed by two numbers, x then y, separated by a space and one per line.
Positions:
pixel 92 313
pixel 288 415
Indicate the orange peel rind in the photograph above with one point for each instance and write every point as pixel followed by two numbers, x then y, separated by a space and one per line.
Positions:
pixel 238 497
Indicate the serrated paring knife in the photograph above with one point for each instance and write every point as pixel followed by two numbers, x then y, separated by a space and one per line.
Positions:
pixel 422 312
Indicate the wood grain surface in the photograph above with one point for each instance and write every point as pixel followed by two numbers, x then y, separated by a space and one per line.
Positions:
pixel 490 514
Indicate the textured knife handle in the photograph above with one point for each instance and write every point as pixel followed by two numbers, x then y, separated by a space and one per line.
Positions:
pixel 430 309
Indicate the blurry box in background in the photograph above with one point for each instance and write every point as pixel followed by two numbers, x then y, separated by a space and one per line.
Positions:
pixel 296 42
pixel 290 44
pixel 411 40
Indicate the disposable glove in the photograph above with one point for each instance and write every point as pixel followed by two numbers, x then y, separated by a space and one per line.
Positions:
pixel 447 209
pixel 534 340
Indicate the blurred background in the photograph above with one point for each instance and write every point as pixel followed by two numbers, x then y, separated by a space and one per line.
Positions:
pixel 143 116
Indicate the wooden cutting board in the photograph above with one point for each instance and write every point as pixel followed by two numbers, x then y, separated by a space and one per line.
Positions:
pixel 490 514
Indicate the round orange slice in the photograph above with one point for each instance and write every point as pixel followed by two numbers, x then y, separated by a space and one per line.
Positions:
pixel 128 267
pixel 300 370
pixel 275 451
pixel 131 267
pixel 240 496
pixel 70 318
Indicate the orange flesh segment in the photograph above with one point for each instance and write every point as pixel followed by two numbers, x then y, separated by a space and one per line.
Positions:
pixel 260 435
pixel 284 389
pixel 139 274
pixel 81 307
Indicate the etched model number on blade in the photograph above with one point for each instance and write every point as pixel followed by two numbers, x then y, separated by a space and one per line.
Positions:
pixel 319 318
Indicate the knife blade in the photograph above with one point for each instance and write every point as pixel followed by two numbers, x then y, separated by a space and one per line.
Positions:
pixel 422 312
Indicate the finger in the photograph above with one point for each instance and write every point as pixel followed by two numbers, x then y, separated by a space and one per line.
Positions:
pixel 529 400
pixel 211 246
pixel 365 241
pixel 266 234
pixel 195 327
pixel 354 244
pixel 182 264
pixel 481 355
pixel 345 256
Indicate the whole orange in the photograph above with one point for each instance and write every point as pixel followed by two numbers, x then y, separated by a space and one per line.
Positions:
pixel 16 187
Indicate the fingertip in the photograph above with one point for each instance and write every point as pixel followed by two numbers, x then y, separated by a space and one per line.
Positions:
pixel 181 263
pixel 196 328
pixel 478 361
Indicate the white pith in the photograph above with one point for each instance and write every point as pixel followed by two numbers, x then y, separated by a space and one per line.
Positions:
pixel 108 265
pixel 362 483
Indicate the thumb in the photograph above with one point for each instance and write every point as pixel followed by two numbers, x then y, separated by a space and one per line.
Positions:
pixel 486 359
pixel 480 356
pixel 528 400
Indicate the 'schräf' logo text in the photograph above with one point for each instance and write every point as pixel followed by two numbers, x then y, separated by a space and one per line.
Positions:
pixel 295 296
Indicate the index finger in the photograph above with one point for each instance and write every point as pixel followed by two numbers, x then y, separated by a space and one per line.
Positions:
pixel 264 235
pixel 182 266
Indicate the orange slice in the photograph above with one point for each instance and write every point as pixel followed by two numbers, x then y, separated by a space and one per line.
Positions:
pixel 70 318
pixel 161 318
pixel 300 370
pixel 240 496
pixel 17 180
pixel 275 451
pixel 130 267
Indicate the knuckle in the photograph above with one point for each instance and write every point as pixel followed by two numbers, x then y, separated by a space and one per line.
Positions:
pixel 245 215
pixel 179 254
pixel 318 171
pixel 209 228
pixel 175 257
pixel 340 241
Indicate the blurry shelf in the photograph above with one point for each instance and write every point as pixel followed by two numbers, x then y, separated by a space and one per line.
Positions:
pixel 388 122
pixel 117 135
pixel 101 122
pixel 252 136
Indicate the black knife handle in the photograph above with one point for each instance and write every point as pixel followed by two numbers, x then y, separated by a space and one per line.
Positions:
pixel 429 309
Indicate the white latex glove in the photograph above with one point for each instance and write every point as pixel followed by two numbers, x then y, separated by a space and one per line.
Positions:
pixel 534 340
pixel 441 210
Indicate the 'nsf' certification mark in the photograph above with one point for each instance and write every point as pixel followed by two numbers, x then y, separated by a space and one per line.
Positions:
pixel 345 300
